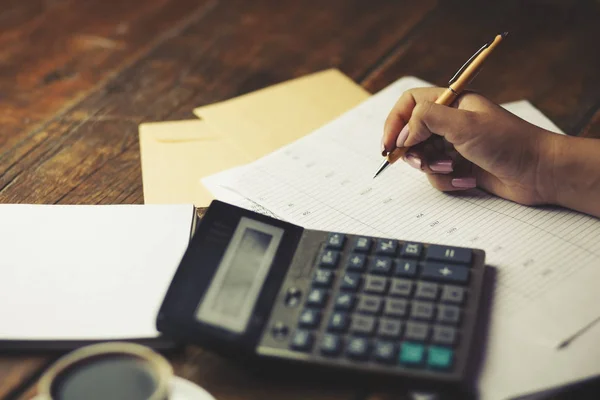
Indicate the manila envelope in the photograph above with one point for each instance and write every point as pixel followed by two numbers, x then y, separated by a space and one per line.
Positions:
pixel 176 155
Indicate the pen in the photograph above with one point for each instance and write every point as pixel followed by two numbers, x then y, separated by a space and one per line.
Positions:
pixel 456 85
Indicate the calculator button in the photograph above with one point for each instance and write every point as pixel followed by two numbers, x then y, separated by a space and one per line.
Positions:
pixel 412 354
pixel 329 259
pixel 411 250
pixel 389 328
pixel 426 291
pixel 451 254
pixel 406 268
pixel 440 357
pixel 279 330
pixel 362 244
pixel 302 341
pixel 422 310
pixel 345 301
pixel 350 282
pixel 369 304
pixel 416 331
pixel 362 325
pixel 316 298
pixel 448 314
pixel 358 348
pixel 292 297
pixel 387 247
pixel 395 307
pixel 444 335
pixel 310 318
pixel 323 278
pixel 375 284
pixel 445 272
pixel 356 262
pixel 335 240
pixel 331 345
pixel 385 352
pixel 380 265
pixel 339 322
pixel 453 294
pixel 401 287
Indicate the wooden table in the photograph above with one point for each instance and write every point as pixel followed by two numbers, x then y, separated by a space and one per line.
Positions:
pixel 77 77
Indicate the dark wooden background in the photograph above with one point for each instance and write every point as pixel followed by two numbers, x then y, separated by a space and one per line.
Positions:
pixel 78 76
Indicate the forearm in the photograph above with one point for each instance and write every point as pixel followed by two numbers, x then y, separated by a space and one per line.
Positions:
pixel 575 173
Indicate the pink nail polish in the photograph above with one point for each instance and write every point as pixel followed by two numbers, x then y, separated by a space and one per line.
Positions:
pixel 402 136
pixel 413 161
pixel 441 166
pixel 464 183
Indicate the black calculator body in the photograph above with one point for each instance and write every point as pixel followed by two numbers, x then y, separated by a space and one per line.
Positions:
pixel 261 289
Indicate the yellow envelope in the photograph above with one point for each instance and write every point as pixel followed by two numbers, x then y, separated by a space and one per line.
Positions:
pixel 176 155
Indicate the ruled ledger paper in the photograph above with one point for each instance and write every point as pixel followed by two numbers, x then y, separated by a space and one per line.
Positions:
pixel 547 259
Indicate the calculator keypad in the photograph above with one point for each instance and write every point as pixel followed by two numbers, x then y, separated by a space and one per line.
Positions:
pixel 385 301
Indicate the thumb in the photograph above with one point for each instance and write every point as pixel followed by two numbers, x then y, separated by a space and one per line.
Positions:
pixel 455 125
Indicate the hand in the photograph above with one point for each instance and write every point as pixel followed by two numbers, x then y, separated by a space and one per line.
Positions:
pixel 472 143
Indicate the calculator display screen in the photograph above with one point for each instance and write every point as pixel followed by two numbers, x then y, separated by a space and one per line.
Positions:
pixel 236 285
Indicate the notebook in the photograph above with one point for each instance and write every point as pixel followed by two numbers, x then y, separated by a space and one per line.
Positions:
pixel 79 273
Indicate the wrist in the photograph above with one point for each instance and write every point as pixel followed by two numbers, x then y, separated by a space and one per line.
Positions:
pixel 548 168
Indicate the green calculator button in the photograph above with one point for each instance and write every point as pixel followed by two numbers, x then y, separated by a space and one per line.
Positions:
pixel 412 354
pixel 440 357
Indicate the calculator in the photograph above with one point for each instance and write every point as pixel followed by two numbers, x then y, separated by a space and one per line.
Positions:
pixel 254 287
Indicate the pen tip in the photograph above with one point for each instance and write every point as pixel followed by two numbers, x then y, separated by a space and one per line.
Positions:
pixel 381 168
pixel 504 34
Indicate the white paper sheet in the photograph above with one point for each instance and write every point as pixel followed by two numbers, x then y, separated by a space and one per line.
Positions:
pixel 87 272
pixel 324 181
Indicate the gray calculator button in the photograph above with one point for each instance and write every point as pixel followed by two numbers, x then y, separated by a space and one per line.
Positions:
pixel 448 314
pixel 356 262
pixel 426 291
pixel 444 335
pixel 406 268
pixel 362 244
pixel 375 284
pixel 345 302
pixel 323 278
pixel 401 287
pixel 335 240
pixel 369 304
pixel 389 328
pixel 395 307
pixel 451 254
pixel 411 250
pixel 445 272
pixel 350 282
pixel 386 247
pixel 362 325
pixel 416 331
pixel 453 294
pixel 380 265
pixel 329 258
pixel 422 310
pixel 316 298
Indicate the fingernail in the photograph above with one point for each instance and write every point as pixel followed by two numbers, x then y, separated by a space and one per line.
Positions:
pixel 383 150
pixel 441 166
pixel 464 183
pixel 413 161
pixel 402 136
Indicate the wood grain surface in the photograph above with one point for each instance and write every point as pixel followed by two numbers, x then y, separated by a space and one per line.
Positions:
pixel 77 77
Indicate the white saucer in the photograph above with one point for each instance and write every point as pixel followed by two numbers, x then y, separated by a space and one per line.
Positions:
pixel 186 390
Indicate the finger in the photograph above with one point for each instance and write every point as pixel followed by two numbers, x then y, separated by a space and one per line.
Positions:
pixel 429 159
pixel 401 112
pixel 454 124
pixel 461 179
